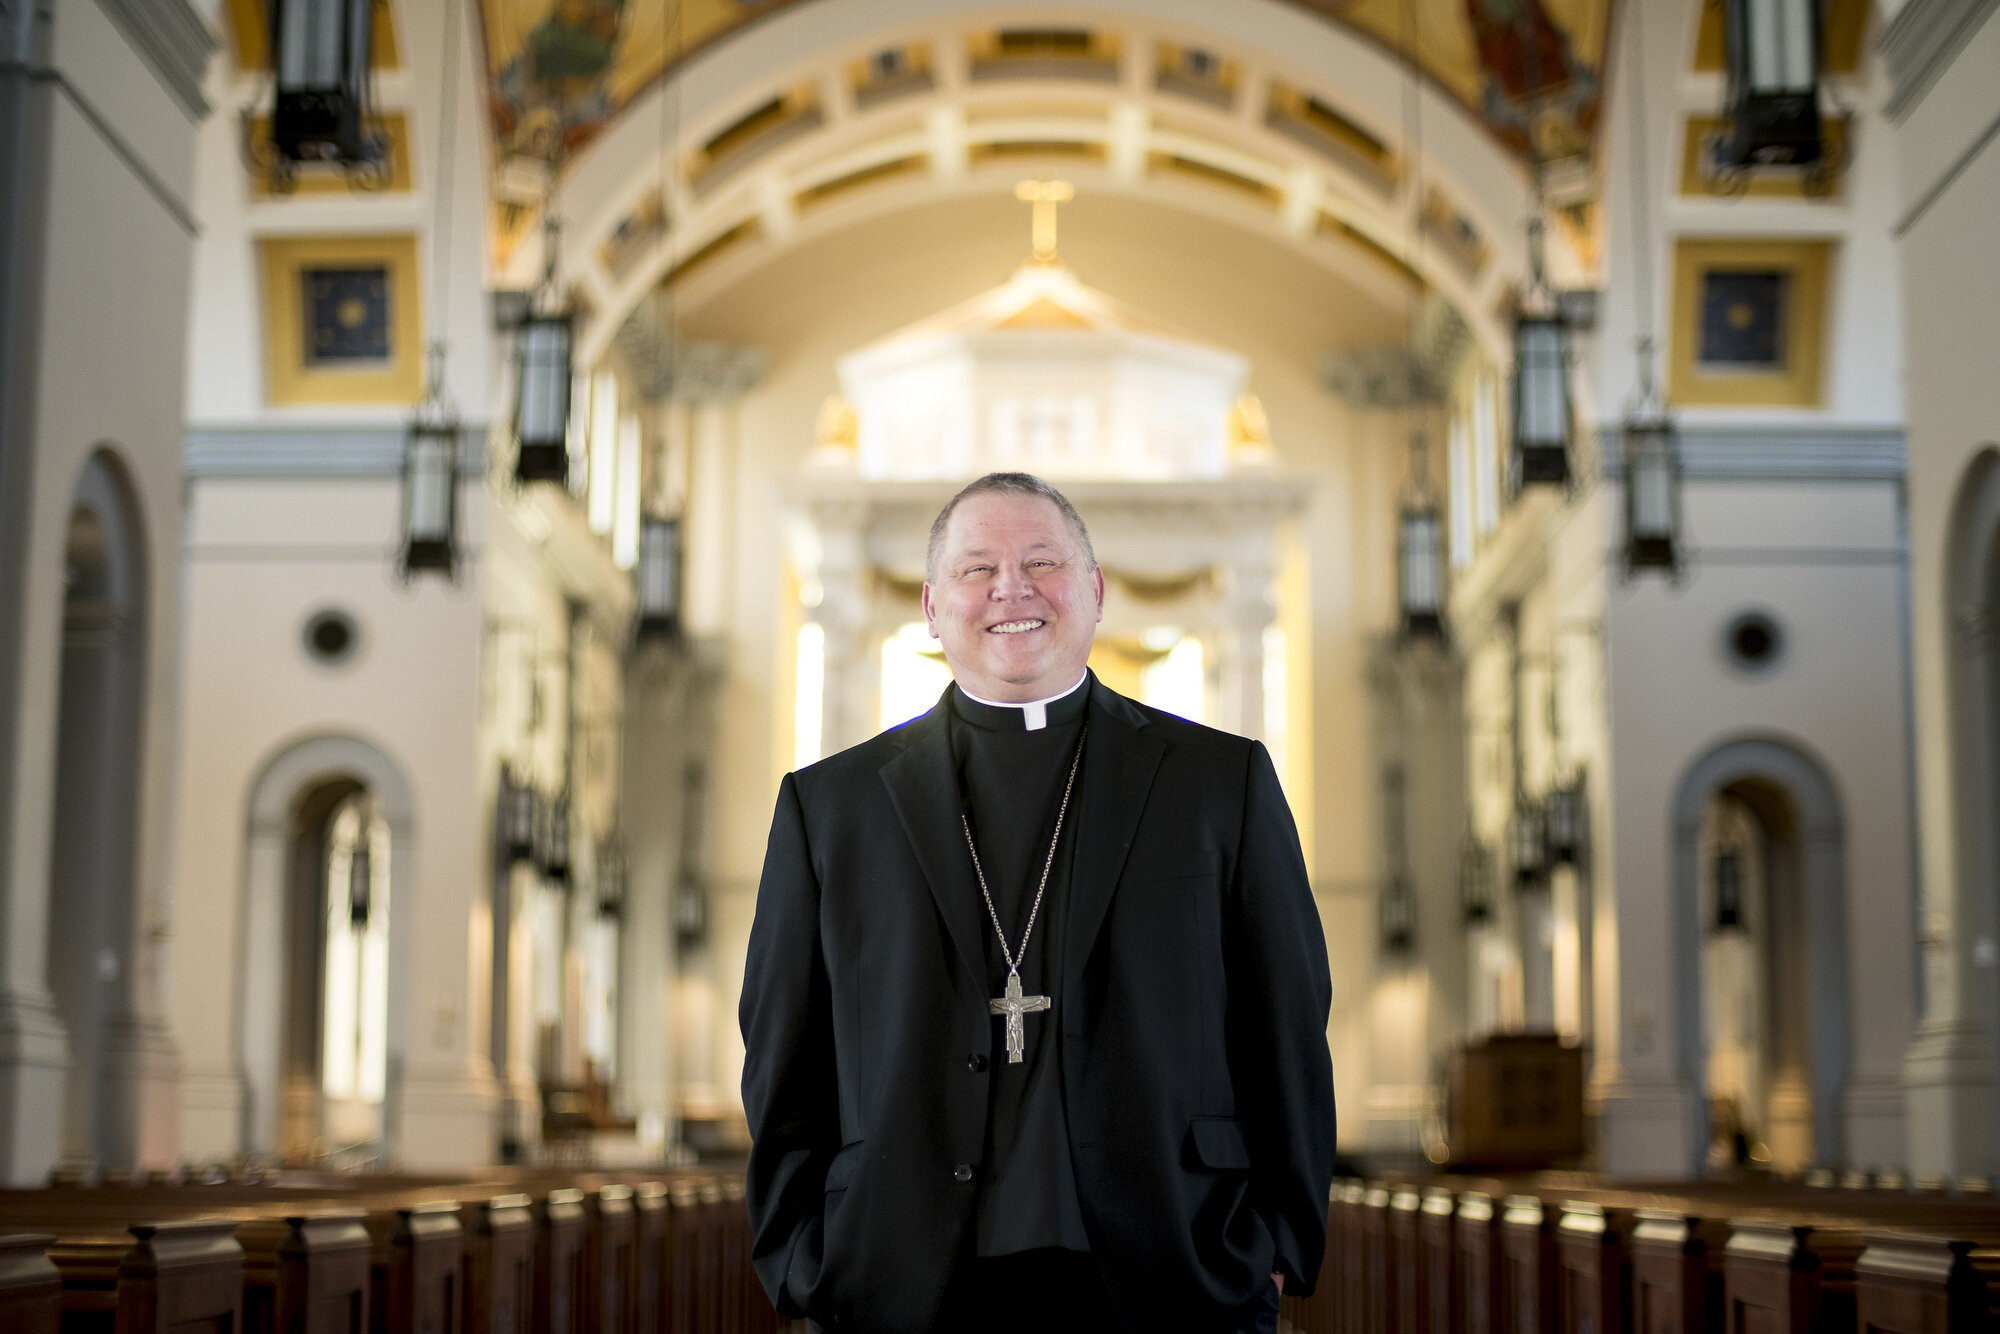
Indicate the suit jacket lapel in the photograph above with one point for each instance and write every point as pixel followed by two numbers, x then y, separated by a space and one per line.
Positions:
pixel 1119 761
pixel 923 787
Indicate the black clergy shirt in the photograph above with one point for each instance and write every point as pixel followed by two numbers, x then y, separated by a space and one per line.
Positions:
pixel 1011 787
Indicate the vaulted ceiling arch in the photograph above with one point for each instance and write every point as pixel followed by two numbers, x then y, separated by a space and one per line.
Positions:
pixel 820 115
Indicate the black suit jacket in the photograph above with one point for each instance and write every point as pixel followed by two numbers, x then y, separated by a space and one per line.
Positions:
pixel 1193 999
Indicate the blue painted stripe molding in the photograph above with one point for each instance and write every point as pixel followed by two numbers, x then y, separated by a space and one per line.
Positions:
pixel 315 451
pixel 1774 453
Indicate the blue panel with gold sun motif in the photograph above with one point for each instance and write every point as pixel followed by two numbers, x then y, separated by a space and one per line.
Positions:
pixel 347 314
pixel 1743 319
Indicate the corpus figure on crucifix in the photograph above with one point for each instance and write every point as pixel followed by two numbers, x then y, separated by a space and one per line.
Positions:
pixel 1045 195
pixel 1034 1015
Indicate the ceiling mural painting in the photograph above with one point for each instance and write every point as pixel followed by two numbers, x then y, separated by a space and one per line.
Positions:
pixel 559 70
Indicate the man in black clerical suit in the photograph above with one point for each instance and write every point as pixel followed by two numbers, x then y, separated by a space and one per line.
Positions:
pixel 1035 1009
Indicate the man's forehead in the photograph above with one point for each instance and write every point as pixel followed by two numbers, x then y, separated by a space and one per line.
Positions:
pixel 990 518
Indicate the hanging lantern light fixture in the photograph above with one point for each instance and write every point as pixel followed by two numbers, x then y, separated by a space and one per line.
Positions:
pixel 543 379
pixel 360 878
pixel 1475 880
pixel 1563 818
pixel 1530 850
pixel 1542 417
pixel 320 59
pixel 520 818
pixel 1420 559
pixel 553 855
pixel 1729 891
pixel 1652 494
pixel 1398 916
pixel 612 874
pixel 659 577
pixel 430 481
pixel 1773 49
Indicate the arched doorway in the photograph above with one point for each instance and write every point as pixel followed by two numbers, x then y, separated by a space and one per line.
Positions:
pixel 1751 916
pixel 1760 943
pixel 92 902
pixel 325 948
pixel 1954 1004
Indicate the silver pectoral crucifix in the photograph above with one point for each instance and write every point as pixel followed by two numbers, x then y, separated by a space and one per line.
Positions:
pixel 1014 1005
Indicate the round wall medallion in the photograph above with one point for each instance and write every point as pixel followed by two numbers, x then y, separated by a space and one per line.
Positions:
pixel 331 636
pixel 1753 640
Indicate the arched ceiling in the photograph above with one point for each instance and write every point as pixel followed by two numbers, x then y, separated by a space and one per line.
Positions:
pixel 765 134
pixel 569 67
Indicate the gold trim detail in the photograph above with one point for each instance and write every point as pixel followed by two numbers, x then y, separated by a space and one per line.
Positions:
pixel 1802 335
pixel 289 380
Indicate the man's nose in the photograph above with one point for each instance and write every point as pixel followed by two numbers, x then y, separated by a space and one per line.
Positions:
pixel 1011 582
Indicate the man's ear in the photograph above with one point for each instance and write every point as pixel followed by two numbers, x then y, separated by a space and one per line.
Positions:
pixel 1097 575
pixel 930 613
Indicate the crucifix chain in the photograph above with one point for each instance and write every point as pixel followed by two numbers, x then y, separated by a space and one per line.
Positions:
pixel 1014 1004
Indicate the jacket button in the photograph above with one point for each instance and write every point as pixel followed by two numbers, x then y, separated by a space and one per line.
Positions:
pixel 975 1063
pixel 963 1172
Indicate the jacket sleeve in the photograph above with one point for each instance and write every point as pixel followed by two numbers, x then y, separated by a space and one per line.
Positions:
pixel 1280 993
pixel 789 1091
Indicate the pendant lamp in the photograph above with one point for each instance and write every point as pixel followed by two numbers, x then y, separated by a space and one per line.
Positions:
pixel 1652 495
pixel 1530 851
pixel 542 384
pixel 1398 916
pixel 1728 891
pixel 430 497
pixel 1475 880
pixel 1563 817
pixel 321 51
pixel 1542 418
pixel 659 577
pixel 360 881
pixel 1420 560
pixel 1773 83
pixel 520 818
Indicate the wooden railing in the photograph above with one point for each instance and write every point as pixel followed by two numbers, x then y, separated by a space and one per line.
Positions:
pixel 510 1253
pixel 1567 1254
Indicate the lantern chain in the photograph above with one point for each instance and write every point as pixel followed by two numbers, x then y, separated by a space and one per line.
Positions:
pixel 436 395
pixel 1648 394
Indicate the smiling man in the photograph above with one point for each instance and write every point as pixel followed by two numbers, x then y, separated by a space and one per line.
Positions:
pixel 1034 1013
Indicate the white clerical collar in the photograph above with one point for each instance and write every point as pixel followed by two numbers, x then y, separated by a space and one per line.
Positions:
pixel 1035 713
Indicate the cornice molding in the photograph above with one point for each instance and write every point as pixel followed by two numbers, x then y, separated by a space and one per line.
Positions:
pixel 1920 44
pixel 1740 453
pixel 172 38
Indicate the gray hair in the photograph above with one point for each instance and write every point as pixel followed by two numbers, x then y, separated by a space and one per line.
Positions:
pixel 1007 484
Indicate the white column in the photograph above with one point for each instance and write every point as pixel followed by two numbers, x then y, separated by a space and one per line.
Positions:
pixel 1248 610
pixel 851 692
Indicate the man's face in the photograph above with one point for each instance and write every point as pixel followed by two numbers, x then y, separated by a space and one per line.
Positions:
pixel 1015 602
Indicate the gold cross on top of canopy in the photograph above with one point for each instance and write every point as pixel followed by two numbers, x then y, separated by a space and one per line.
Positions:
pixel 1045 195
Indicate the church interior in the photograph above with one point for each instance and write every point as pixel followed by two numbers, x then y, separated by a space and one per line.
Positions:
pixel 458 456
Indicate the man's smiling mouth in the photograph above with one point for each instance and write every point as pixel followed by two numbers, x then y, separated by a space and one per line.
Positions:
pixel 1014 627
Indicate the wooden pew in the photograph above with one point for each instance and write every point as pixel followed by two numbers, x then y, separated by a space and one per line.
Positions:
pixel 1528 1239
pixel 1378 1311
pixel 1353 1306
pixel 181 1278
pixel 1593 1277
pixel 1444 1303
pixel 421 1280
pixel 608 1260
pixel 684 1274
pixel 1910 1283
pixel 499 1266
pixel 1481 1266
pixel 1411 1313
pixel 30 1284
pixel 323 1265
pixel 1788 1278
pixel 1676 1272
pixel 560 1285
pixel 649 1257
